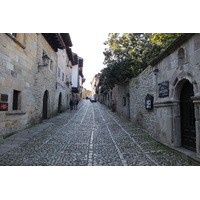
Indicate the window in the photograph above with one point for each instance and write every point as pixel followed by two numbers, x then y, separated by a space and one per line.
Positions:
pixel 52 65
pixel 16 100
pixel 181 57
pixel 124 101
pixel 58 71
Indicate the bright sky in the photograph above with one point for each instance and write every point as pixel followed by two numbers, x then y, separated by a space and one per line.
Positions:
pixel 90 47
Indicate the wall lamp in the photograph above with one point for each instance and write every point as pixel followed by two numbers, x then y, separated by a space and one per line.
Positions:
pixel 45 60
pixel 155 71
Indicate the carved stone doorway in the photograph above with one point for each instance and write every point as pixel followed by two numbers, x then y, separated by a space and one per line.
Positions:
pixel 188 131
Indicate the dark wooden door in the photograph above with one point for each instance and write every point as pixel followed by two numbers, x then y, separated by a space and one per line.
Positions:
pixel 60 103
pixel 188 132
pixel 45 105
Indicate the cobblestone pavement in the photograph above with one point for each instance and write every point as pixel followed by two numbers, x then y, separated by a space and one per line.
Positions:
pixel 89 136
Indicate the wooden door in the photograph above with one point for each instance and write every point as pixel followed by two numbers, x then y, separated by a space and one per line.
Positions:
pixel 60 103
pixel 188 132
pixel 45 105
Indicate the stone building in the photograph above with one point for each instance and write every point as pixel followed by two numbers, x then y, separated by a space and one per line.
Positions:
pixel 77 76
pixel 165 98
pixel 30 88
pixel 94 85
pixel 86 93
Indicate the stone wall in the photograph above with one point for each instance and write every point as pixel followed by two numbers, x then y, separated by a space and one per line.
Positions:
pixel 17 62
pixel 45 80
pixel 130 100
pixel 178 65
pixel 19 71
pixel 139 87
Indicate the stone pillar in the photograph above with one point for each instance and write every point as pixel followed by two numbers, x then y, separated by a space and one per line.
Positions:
pixel 196 101
pixel 176 130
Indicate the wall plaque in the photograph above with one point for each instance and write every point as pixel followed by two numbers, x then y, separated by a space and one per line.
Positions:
pixel 3 106
pixel 164 89
pixel 149 102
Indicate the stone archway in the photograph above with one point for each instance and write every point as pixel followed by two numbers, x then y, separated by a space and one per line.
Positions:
pixel 183 91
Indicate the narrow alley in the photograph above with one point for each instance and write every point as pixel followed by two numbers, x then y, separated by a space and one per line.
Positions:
pixel 89 136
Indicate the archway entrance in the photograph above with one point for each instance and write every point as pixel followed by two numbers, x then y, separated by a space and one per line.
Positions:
pixel 188 132
pixel 45 105
pixel 60 103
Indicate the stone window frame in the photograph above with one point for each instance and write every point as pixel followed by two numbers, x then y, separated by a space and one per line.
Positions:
pixel 63 76
pixel 124 101
pixel 181 57
pixel 16 100
pixel 59 71
pixel 18 38
pixel 51 65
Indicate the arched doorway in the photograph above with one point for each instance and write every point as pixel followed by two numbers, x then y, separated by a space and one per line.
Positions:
pixel 60 103
pixel 188 132
pixel 45 105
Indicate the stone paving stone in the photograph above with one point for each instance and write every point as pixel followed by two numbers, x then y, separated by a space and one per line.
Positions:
pixel 167 158
pixel 129 147
pixel 89 136
pixel 138 159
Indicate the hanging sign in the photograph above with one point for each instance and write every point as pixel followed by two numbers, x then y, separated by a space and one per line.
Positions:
pixel 164 89
pixel 3 106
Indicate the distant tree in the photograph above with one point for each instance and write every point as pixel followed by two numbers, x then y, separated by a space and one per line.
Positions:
pixel 129 54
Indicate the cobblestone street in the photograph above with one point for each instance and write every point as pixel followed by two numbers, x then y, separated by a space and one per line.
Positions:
pixel 89 136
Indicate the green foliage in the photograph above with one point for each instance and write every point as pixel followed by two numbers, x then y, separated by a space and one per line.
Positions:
pixel 129 54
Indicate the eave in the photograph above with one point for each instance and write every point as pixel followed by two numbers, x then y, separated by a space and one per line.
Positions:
pixel 54 41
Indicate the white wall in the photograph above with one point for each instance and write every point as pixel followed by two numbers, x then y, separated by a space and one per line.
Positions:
pixel 75 76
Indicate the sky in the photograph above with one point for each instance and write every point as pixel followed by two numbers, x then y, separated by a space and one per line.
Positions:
pixel 89 46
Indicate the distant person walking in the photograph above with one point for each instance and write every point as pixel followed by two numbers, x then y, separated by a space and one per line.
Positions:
pixel 76 104
pixel 71 103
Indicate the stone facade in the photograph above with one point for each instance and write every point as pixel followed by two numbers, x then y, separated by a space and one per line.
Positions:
pixel 140 87
pixel 32 90
pixel 45 81
pixel 164 82
pixel 17 71
pixel 63 84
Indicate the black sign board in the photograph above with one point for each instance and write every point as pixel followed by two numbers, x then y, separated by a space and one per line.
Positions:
pixel 149 102
pixel 164 89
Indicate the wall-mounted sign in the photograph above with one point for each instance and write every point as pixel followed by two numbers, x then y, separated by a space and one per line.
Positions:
pixel 149 102
pixel 3 106
pixel 164 89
